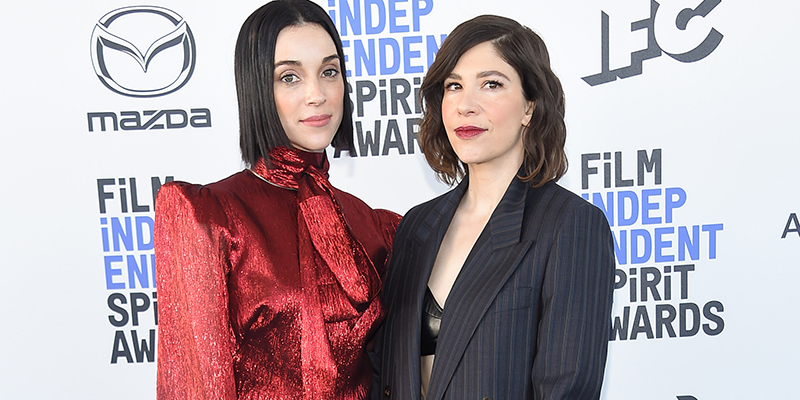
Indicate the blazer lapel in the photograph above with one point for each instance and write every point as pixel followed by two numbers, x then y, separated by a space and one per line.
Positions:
pixel 420 255
pixel 494 257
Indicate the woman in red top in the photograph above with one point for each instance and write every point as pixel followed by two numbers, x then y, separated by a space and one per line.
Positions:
pixel 269 279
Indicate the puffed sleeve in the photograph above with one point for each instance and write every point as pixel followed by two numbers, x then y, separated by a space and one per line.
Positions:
pixel 388 222
pixel 577 294
pixel 195 340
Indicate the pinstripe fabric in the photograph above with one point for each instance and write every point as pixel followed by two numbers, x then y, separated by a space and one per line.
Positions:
pixel 527 317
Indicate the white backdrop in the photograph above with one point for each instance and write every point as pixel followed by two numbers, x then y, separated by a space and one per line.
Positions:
pixel 708 241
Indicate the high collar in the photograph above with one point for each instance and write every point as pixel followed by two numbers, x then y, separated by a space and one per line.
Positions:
pixel 286 166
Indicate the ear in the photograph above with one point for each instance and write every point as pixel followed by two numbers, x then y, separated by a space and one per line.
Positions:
pixel 526 118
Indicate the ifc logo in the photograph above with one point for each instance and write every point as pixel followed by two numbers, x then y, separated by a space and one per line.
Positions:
pixel 143 51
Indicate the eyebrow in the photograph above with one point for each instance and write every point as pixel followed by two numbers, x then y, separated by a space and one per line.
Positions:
pixel 325 60
pixel 482 74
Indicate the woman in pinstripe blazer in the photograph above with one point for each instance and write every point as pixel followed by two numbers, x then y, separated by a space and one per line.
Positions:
pixel 502 287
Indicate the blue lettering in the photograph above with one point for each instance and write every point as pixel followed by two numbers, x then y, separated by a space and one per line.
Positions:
pixel 361 56
pixel 124 234
pixel 712 239
pixel 138 271
pixel 622 196
pixel 647 246
pixel 350 16
pixel 394 14
pixel 408 55
pixel 647 206
pixel 691 243
pixel 621 247
pixel 432 47
pixel 111 272
pixel 660 244
pixel 104 232
pixel 417 12
pixel 607 207
pixel 141 235
pixel 671 204
pixel 383 45
pixel 346 45
pixel 381 25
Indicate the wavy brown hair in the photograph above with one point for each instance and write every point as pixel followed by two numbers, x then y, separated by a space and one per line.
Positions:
pixel 543 137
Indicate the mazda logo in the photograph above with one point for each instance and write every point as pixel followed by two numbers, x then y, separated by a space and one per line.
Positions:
pixel 143 51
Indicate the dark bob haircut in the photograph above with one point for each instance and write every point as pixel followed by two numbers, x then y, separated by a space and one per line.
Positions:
pixel 545 135
pixel 260 129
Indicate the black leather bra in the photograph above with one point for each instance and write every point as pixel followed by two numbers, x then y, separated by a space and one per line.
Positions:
pixel 431 322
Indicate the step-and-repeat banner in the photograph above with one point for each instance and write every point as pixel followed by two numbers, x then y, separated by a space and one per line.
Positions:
pixel 682 127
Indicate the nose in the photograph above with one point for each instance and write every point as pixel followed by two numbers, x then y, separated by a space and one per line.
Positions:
pixel 315 95
pixel 466 103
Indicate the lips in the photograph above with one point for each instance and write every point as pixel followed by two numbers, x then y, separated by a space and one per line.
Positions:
pixel 468 131
pixel 317 120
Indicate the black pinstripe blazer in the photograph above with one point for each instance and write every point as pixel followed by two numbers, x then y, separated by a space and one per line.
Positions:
pixel 528 316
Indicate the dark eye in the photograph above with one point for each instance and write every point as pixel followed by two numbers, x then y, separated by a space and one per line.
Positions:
pixel 330 73
pixel 289 78
pixel 452 86
pixel 493 84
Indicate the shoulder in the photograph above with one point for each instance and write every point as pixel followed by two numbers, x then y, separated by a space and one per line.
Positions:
pixel 555 207
pixel 356 210
pixel 179 197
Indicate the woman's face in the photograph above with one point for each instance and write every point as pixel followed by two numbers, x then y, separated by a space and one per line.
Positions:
pixel 484 109
pixel 309 89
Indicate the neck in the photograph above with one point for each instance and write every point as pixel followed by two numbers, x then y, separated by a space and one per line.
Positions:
pixel 488 183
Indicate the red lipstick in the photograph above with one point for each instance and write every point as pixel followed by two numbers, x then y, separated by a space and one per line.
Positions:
pixel 468 131
pixel 317 120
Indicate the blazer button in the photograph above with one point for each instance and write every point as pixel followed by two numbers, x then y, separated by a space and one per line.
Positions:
pixel 486 398
pixel 387 392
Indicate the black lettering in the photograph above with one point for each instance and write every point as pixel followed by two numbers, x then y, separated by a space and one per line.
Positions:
pixel 651 164
pixel 112 304
pixel 141 349
pixel 155 304
pixel 586 170
pixel 102 117
pixel 362 96
pixel 123 196
pixel 619 329
pixel 713 318
pixel 102 195
pixel 117 352
pixel 139 303
pixel 648 283
pixel 684 271
pixel 367 142
pixel 151 123
pixel 618 181
pixel 135 198
pixel 620 279
pixel 201 118
pixel 412 133
pixel 133 122
pixel 172 124
pixel 400 97
pixel 665 321
pixel 786 229
pixel 641 323
pixel 393 140
pixel 686 308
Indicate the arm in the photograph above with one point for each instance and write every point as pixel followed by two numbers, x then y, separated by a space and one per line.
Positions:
pixel 195 341
pixel 576 305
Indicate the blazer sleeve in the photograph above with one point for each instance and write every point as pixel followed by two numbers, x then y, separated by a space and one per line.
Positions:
pixel 195 340
pixel 576 307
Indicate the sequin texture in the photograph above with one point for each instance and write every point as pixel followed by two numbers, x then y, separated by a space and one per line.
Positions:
pixel 268 290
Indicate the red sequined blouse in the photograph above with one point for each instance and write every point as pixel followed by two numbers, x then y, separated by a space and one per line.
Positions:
pixel 236 320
